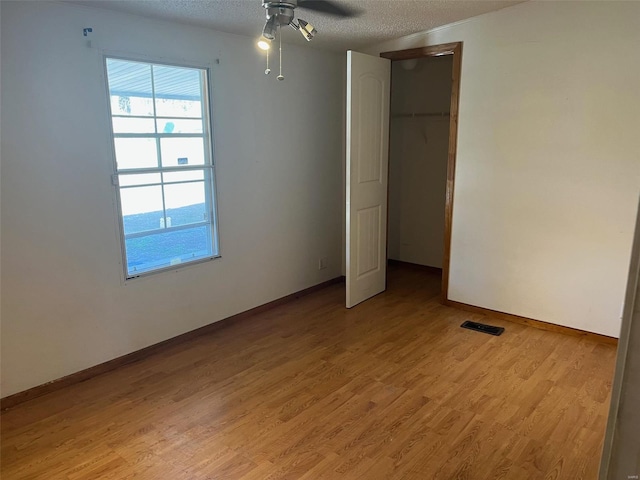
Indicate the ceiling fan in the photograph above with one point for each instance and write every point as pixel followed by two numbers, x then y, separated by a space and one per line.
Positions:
pixel 282 13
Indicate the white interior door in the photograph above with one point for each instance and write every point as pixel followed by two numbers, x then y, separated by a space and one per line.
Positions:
pixel 368 92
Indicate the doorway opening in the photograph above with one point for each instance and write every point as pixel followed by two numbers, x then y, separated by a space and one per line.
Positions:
pixel 425 86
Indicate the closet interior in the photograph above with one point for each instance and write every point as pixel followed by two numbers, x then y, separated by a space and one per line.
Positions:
pixel 418 158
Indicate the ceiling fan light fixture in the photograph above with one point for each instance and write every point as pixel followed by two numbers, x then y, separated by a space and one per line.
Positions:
pixel 270 28
pixel 307 30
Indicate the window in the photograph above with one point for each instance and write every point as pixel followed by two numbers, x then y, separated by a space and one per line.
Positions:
pixel 164 170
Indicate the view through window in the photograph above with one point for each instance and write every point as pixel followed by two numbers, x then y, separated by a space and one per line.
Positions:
pixel 165 176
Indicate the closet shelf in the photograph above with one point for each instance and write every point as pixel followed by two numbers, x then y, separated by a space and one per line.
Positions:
pixel 411 115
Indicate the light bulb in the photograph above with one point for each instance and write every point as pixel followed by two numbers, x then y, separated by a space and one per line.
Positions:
pixel 264 44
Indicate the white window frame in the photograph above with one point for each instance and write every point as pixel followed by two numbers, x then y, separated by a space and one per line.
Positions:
pixel 208 168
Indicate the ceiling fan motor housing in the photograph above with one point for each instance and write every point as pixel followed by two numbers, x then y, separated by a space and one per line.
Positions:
pixel 283 11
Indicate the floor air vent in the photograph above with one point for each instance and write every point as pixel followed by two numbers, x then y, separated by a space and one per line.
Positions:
pixel 481 327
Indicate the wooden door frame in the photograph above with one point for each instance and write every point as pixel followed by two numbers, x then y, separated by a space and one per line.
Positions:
pixel 454 49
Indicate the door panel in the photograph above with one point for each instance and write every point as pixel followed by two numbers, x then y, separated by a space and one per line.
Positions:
pixel 368 244
pixel 368 89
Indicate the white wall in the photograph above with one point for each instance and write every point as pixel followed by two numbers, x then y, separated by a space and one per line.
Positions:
pixel 64 305
pixel 419 148
pixel 548 164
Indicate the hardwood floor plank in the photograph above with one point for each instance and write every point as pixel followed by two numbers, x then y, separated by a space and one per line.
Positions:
pixel 391 389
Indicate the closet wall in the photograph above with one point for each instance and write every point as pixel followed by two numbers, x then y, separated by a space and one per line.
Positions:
pixel 420 93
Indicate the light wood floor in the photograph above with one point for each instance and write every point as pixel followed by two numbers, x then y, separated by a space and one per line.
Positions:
pixel 390 389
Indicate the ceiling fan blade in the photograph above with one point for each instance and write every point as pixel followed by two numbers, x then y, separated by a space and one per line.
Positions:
pixel 329 8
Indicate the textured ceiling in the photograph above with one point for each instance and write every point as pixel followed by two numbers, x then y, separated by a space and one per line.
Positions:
pixel 380 20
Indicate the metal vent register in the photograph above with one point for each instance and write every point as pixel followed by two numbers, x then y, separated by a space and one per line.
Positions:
pixel 481 327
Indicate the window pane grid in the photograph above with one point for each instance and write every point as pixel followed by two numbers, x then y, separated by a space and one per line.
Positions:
pixel 177 226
